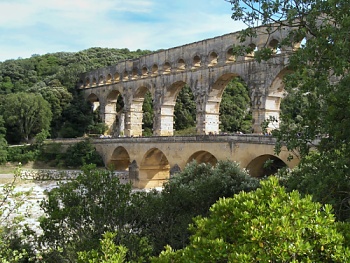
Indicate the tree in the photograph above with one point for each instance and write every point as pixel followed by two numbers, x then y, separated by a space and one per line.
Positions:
pixel 163 217
pixel 25 115
pixel 266 225
pixel 79 212
pixel 3 142
pixel 317 84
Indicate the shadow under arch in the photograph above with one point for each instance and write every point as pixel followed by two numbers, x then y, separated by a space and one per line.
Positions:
pixel 203 157
pixel 154 169
pixel 120 159
pixel 113 113
pixel 94 100
pixel 259 167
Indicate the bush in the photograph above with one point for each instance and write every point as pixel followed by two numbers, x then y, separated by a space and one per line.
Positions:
pixel 266 225
pixel 82 153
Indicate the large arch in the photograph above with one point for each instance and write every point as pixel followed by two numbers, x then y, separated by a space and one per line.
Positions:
pixel 154 169
pixel 212 105
pixel 94 100
pixel 167 109
pixel 120 159
pixel 265 165
pixel 113 113
pixel 276 93
pixel 203 157
pixel 136 111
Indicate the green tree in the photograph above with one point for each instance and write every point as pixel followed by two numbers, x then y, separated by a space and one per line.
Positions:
pixel 266 225
pixel 317 114
pixel 147 119
pixel 185 109
pixel 163 217
pixel 25 115
pixel 79 212
pixel 82 153
pixel 3 142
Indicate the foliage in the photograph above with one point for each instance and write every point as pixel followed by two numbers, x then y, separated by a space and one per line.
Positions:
pixel 110 253
pixel 14 235
pixel 317 110
pixel 163 217
pixel 79 212
pixel 266 225
pixel 82 153
pixel 185 109
pixel 25 115
pixel 148 115
pixel 312 177
pixel 234 108
pixel 3 142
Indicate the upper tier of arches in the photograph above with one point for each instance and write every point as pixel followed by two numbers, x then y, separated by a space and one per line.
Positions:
pixel 208 53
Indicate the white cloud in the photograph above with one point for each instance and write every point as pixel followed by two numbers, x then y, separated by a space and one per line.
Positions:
pixel 46 26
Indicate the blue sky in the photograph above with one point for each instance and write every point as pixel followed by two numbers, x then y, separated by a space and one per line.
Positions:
pixel 46 26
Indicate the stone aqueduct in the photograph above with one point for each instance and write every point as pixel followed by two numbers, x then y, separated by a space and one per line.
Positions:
pixel 206 67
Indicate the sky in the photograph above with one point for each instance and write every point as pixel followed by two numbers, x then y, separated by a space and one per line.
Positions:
pixel 30 27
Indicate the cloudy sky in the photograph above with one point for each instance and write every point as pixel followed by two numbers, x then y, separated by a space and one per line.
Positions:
pixel 46 26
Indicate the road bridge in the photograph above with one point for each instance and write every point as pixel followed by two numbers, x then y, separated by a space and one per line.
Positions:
pixel 152 160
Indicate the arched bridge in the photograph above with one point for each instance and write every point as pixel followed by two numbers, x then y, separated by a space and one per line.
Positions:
pixel 152 160
pixel 205 66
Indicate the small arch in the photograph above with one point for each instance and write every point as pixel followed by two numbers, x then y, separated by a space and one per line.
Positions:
pixel 144 71
pixel 154 69
pixel 213 59
pixel 265 165
pixel 230 57
pixel 125 75
pixel 196 61
pixel 94 100
pixel 251 54
pixel 166 68
pixel 109 79
pixel 116 77
pixel 274 46
pixel 203 157
pixel 94 82
pixel 87 82
pixel 100 80
pixel 181 65
pixel 120 159
pixel 135 73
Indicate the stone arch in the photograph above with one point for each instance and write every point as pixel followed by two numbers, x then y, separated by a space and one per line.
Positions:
pixel 212 59
pixel 144 71
pixel 196 61
pixel 230 57
pixel 181 65
pixel 109 79
pixel 116 77
pixel 94 81
pixel 154 69
pixel 94 100
pixel 154 169
pixel 135 73
pixel 166 68
pixel 274 97
pixel 265 165
pixel 274 46
pixel 113 113
pixel 212 105
pixel 87 82
pixel 125 75
pixel 167 109
pixel 250 55
pixel 136 111
pixel 100 80
pixel 120 159
pixel 203 157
